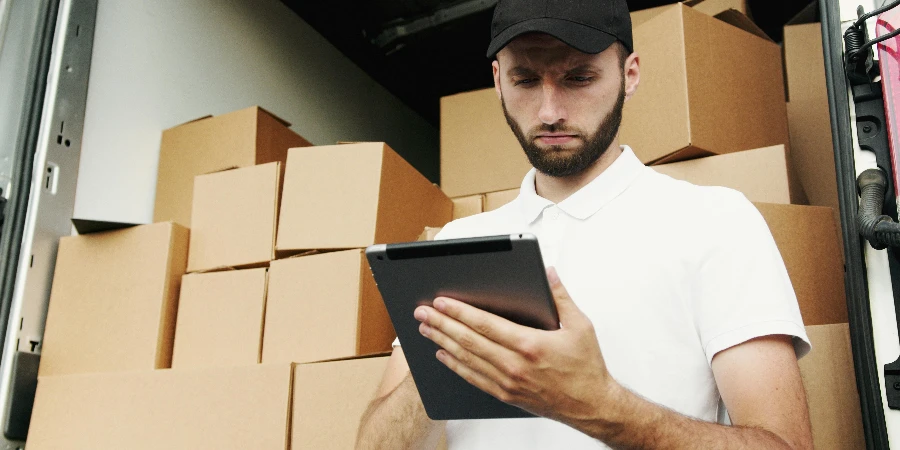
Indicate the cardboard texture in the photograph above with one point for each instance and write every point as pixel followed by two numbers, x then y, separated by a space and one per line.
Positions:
pixel 479 153
pixel 494 200
pixel 324 306
pixel 220 319
pixel 812 149
pixel 830 384
pixel 808 239
pixel 467 206
pixel 707 88
pixel 238 139
pixel 763 175
pixel 114 300
pixel 234 218
pixel 220 408
pixel 355 195
pixel 330 399
pixel 429 233
pixel 713 7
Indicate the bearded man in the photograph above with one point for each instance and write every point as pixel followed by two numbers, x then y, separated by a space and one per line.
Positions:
pixel 672 298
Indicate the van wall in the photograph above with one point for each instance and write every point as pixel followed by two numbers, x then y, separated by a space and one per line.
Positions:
pixel 160 63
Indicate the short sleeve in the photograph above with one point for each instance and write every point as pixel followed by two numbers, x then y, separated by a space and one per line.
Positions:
pixel 742 290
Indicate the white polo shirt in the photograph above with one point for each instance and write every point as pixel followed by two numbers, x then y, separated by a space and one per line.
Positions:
pixel 669 273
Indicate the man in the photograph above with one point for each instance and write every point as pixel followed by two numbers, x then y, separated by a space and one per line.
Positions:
pixel 670 296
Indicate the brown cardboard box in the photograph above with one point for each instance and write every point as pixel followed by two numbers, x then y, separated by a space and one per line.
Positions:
pixel 494 200
pixel 763 175
pixel 220 319
pixel 830 384
pixel 324 306
pixel 429 233
pixel 238 139
pixel 114 299
pixel 330 399
pixel 811 248
pixel 479 153
pixel 467 206
pixel 355 195
pixel 707 87
pixel 215 408
pixel 713 7
pixel 234 217
pixel 812 149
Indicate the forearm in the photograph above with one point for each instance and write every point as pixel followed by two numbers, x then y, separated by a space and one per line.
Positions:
pixel 398 421
pixel 632 422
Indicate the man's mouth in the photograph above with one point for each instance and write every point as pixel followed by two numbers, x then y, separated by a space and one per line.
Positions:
pixel 555 138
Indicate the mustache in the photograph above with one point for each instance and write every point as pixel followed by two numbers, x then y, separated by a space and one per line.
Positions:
pixel 555 128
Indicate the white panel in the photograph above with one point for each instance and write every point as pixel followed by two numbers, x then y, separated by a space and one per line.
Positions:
pixel 160 63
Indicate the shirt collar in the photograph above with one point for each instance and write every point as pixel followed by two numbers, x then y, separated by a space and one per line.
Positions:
pixel 590 198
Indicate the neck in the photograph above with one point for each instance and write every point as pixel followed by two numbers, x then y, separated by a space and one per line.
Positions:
pixel 557 189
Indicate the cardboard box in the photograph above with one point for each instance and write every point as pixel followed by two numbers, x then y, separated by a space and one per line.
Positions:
pixel 763 175
pixel 479 153
pixel 812 149
pixel 220 319
pixel 467 206
pixel 235 213
pixel 355 195
pixel 830 384
pixel 714 7
pixel 238 139
pixel 810 245
pixel 707 87
pixel 429 233
pixel 330 399
pixel 215 408
pixel 494 200
pixel 114 299
pixel 324 306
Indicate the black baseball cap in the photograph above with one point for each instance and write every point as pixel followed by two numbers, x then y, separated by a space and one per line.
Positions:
pixel 589 26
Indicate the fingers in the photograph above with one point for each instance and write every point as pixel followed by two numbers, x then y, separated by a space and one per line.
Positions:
pixel 491 326
pixel 473 377
pixel 457 338
pixel 461 354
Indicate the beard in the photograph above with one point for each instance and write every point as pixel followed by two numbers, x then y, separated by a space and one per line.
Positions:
pixel 557 161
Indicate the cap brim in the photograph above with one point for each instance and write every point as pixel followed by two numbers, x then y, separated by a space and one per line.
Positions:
pixel 581 37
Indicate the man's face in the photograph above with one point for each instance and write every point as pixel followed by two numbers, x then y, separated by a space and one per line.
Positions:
pixel 564 106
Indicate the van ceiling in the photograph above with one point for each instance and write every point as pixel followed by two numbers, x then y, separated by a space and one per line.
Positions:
pixel 421 50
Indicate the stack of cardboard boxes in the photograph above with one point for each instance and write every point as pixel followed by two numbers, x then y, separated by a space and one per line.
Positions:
pixel 711 109
pixel 264 329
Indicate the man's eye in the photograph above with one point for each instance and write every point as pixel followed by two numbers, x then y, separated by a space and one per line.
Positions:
pixel 524 82
pixel 582 80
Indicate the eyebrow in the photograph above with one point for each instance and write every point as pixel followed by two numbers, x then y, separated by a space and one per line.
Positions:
pixel 526 72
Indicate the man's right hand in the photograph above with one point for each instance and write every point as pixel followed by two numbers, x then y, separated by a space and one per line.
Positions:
pixel 396 418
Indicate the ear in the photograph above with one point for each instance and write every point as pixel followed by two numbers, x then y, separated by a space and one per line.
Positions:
pixel 632 74
pixel 495 66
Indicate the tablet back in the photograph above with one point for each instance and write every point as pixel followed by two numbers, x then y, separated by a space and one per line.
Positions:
pixel 504 275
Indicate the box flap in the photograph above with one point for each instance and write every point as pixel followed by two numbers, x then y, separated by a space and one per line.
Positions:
pixel 734 17
pixel 283 122
pixel 86 226
pixel 809 14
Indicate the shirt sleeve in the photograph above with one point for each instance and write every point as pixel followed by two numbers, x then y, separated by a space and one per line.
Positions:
pixel 742 290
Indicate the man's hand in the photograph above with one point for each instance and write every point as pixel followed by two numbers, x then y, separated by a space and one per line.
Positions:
pixel 556 374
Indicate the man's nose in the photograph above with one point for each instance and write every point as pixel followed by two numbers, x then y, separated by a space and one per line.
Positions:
pixel 552 106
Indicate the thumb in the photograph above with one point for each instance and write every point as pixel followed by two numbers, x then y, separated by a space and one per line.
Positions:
pixel 567 309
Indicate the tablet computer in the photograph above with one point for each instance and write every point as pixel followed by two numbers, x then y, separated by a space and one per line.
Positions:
pixel 504 275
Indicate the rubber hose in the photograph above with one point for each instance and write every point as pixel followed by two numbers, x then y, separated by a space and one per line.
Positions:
pixel 880 230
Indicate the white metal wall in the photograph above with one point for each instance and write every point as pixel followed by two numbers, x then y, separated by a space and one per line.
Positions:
pixel 160 63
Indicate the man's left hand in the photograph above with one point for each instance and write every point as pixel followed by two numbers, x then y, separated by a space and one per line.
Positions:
pixel 557 374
